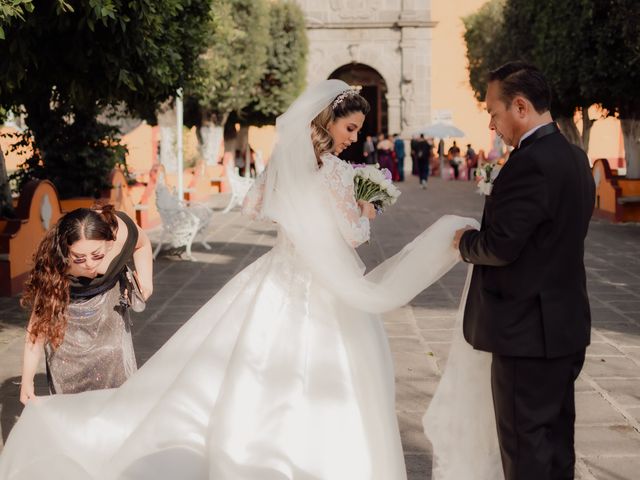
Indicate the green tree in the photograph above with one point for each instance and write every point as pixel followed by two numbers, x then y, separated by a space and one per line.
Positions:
pixel 483 36
pixel 284 76
pixel 538 32
pixel 15 10
pixel 234 63
pixel 614 64
pixel 557 37
pixel 64 66
pixel 10 11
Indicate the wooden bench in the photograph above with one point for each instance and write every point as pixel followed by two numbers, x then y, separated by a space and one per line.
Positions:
pixel 617 198
pixel 38 208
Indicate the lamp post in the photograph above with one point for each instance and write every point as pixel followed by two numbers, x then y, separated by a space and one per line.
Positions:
pixel 179 121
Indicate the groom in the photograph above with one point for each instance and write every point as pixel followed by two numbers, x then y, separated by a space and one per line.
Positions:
pixel 527 301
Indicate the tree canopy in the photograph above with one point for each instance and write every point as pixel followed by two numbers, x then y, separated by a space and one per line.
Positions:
pixel 284 75
pixel 589 50
pixel 15 10
pixel 485 51
pixel 235 60
pixel 63 64
pixel 614 57
pixel 615 63
pixel 254 68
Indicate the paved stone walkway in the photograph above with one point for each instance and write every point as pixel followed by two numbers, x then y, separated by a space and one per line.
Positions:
pixel 608 391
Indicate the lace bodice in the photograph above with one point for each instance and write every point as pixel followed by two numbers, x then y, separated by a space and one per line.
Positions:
pixel 338 178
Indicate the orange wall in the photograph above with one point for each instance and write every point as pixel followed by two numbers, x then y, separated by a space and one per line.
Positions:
pixel 261 139
pixel 141 145
pixel 606 138
pixel 140 142
pixel 450 88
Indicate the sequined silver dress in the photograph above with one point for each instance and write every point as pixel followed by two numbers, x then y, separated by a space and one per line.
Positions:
pixel 97 351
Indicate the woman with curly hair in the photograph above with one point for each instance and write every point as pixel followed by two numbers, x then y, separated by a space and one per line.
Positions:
pixel 78 300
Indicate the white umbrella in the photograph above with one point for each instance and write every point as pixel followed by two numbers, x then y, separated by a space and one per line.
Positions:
pixel 440 130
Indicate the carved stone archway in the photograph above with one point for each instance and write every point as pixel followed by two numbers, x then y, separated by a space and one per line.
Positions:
pixel 392 37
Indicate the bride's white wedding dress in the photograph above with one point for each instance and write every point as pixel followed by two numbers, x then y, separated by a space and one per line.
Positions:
pixel 284 374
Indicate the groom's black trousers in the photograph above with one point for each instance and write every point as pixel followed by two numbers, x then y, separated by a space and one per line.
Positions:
pixel 535 415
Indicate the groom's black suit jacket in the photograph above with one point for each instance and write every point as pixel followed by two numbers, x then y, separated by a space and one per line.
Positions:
pixel 528 294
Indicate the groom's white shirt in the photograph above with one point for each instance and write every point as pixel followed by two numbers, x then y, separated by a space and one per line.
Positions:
pixel 530 132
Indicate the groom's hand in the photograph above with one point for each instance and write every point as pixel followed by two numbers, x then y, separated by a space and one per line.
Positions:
pixel 458 236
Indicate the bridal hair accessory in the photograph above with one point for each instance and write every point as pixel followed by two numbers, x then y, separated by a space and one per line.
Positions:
pixel 350 92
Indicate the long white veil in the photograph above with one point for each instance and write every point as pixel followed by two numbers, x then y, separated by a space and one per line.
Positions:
pixel 295 198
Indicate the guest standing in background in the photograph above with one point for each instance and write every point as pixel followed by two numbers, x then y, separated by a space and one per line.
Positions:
pixel 369 151
pixel 414 154
pixel 454 159
pixel 385 153
pixel 398 148
pixel 471 161
pixel 434 163
pixel 441 156
pixel 424 152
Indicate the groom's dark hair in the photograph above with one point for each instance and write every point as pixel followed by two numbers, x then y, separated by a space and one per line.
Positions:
pixel 520 78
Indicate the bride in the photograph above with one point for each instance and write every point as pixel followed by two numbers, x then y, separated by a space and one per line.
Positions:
pixel 286 373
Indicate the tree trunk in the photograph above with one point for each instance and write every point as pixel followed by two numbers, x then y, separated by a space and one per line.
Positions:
pixel 243 145
pixel 6 202
pixel 167 125
pixel 587 123
pixel 570 130
pixel 210 134
pixel 631 135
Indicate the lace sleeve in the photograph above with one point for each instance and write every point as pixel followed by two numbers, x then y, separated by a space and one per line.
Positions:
pixel 338 176
pixel 252 204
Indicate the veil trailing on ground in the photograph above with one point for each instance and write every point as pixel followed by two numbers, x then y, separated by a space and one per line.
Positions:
pixel 295 198
pixel 460 422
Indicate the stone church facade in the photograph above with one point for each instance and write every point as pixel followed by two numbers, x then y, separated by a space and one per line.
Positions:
pixel 383 46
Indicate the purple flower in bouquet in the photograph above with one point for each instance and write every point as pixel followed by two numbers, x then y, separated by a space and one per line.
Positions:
pixel 374 185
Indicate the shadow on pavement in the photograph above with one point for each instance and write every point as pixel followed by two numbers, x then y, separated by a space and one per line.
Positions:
pixel 10 401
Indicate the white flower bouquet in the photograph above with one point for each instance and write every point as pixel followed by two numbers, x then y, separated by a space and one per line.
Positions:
pixel 485 176
pixel 374 185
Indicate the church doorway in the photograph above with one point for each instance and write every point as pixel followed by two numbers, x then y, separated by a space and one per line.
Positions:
pixel 374 89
